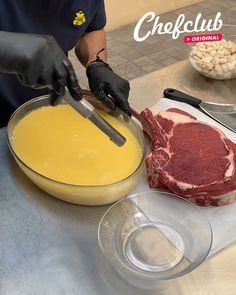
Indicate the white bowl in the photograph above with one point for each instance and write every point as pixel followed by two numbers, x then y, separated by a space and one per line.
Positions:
pixel 216 60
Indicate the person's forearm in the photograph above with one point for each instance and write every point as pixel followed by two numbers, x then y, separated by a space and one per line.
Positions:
pixel 89 45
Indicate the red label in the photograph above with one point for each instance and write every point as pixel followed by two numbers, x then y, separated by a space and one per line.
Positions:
pixel 203 38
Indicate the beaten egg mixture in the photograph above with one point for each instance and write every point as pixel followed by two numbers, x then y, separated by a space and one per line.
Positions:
pixel 60 144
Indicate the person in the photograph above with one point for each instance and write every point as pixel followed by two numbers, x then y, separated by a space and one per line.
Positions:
pixel 35 37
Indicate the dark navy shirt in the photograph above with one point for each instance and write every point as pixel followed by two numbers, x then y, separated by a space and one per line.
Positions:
pixel 65 20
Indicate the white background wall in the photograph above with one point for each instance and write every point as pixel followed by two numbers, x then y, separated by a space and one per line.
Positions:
pixel 123 12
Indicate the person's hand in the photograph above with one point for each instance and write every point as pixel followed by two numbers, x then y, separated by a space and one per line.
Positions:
pixel 39 62
pixel 107 86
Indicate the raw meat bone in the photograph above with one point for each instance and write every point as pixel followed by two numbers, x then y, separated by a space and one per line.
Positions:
pixel 188 157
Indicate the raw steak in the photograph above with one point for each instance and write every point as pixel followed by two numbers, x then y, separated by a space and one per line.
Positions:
pixel 190 158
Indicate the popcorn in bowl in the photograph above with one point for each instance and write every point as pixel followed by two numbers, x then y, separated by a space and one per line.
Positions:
pixel 215 59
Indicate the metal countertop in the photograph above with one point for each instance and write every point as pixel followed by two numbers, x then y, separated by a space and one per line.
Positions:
pixel 50 247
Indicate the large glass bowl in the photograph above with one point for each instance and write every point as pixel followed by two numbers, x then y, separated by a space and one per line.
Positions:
pixel 153 236
pixel 217 59
pixel 84 195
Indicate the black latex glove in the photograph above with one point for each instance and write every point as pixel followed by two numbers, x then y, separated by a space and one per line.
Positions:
pixel 105 84
pixel 39 62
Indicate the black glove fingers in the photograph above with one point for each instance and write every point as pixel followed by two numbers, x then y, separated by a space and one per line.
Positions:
pixel 102 79
pixel 58 91
pixel 58 85
pixel 72 82
pixel 100 93
pixel 46 78
pixel 33 58
pixel 120 95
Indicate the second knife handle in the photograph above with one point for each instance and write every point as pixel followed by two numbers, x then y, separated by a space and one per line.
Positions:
pixel 181 96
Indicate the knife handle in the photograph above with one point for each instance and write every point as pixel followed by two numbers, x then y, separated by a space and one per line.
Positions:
pixel 181 96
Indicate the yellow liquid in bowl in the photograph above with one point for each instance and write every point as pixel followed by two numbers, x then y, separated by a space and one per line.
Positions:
pixel 60 144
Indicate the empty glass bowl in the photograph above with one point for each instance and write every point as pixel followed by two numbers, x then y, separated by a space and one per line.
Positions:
pixel 153 236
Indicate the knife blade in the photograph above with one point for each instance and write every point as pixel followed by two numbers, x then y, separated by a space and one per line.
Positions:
pixel 88 111
pixel 225 114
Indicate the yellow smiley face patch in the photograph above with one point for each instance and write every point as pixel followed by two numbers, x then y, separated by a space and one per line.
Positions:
pixel 79 19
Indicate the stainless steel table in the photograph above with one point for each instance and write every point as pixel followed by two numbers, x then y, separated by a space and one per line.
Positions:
pixel 50 247
pixel 146 90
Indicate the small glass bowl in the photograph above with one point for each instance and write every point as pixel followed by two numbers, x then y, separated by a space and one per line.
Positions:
pixel 154 236
pixel 216 60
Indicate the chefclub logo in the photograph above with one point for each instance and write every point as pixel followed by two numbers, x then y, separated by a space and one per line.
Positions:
pixel 180 26
pixel 79 18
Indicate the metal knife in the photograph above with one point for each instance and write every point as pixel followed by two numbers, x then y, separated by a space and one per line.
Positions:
pixel 225 114
pixel 88 111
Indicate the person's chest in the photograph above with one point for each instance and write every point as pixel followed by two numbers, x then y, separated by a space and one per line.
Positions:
pixel 66 20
